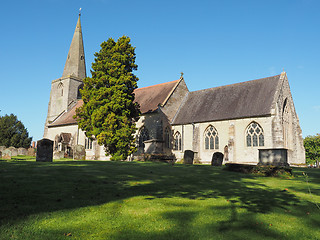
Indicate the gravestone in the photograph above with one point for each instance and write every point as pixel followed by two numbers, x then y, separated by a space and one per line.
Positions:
pixel 14 151
pixel 217 159
pixel 31 152
pixel 6 154
pixel 58 155
pixel 275 157
pixel 22 151
pixel 188 157
pixel 44 150
pixel 79 152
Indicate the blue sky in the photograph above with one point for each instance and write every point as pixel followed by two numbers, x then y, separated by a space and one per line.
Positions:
pixel 213 42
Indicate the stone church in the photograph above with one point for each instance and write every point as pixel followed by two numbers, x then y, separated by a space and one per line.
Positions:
pixel 238 123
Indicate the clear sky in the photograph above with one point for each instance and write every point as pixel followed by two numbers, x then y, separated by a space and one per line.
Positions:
pixel 213 42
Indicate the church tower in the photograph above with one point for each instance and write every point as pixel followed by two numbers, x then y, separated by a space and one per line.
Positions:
pixel 65 90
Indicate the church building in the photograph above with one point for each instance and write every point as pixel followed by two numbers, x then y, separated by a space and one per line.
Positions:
pixel 238 123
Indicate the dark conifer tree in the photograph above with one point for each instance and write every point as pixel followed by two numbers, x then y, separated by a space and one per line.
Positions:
pixel 108 112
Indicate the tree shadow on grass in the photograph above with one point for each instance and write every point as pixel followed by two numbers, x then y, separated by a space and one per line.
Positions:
pixel 29 188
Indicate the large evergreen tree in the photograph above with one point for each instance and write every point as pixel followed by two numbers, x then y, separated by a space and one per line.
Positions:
pixel 108 112
pixel 13 133
pixel 312 146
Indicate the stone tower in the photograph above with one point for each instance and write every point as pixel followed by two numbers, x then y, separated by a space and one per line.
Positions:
pixel 65 90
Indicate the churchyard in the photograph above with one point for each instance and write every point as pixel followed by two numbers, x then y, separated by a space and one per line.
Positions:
pixel 67 199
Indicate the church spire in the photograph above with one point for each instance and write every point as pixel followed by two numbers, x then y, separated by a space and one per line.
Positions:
pixel 75 64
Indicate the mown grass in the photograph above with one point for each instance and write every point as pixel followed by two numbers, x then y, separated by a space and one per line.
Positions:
pixel 133 200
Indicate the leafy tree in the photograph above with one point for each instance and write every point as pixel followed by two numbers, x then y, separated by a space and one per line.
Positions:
pixel 13 133
pixel 312 146
pixel 108 112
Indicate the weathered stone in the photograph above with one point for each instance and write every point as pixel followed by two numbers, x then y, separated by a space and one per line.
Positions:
pixel 188 157
pixel 58 155
pixel 79 152
pixel 274 157
pixel 2 148
pixel 217 159
pixel 14 151
pixel 6 154
pixel 31 152
pixel 44 150
pixel 22 151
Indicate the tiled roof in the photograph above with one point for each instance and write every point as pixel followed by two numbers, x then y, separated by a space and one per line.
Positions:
pixel 246 99
pixel 150 97
pixel 67 117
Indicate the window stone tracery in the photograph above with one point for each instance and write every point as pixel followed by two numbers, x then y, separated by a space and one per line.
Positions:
pixel 254 135
pixel 177 141
pixel 211 138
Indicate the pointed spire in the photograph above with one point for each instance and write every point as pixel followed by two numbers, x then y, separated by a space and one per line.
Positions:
pixel 75 64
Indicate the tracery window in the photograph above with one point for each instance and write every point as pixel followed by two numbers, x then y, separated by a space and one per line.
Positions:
pixel 211 138
pixel 167 137
pixel 88 143
pixel 143 136
pixel 60 88
pixel 177 141
pixel 254 135
pixel 287 124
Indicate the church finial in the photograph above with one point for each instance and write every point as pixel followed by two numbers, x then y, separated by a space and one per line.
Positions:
pixel 79 11
pixel 181 77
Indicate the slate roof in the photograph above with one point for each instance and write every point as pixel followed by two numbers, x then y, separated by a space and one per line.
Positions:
pixel 241 100
pixel 150 97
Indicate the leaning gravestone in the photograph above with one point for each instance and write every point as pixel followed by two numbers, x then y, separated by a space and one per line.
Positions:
pixel 22 151
pixel 188 157
pixel 44 150
pixel 6 154
pixel 79 152
pixel 14 151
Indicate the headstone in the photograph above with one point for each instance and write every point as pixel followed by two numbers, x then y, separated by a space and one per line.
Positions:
pixel 58 155
pixel 217 159
pixel 31 152
pixel 14 151
pixel 188 157
pixel 6 154
pixel 22 151
pixel 44 150
pixel 79 152
pixel 275 157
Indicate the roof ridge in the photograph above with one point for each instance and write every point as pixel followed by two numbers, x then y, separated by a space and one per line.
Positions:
pixel 235 84
pixel 157 84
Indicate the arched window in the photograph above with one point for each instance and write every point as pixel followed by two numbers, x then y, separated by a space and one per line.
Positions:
pixel 254 135
pixel 60 88
pixel 167 138
pixel 143 136
pixel 287 124
pixel 211 138
pixel 79 93
pixel 88 143
pixel 177 141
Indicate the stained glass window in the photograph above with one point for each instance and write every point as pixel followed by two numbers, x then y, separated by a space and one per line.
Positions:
pixel 211 138
pixel 254 135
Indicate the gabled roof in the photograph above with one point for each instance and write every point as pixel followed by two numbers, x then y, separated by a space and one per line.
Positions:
pixel 247 99
pixel 148 97
pixel 67 117
pixel 151 97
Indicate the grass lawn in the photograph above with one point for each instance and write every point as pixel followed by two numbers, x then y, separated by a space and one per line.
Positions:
pixel 133 200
